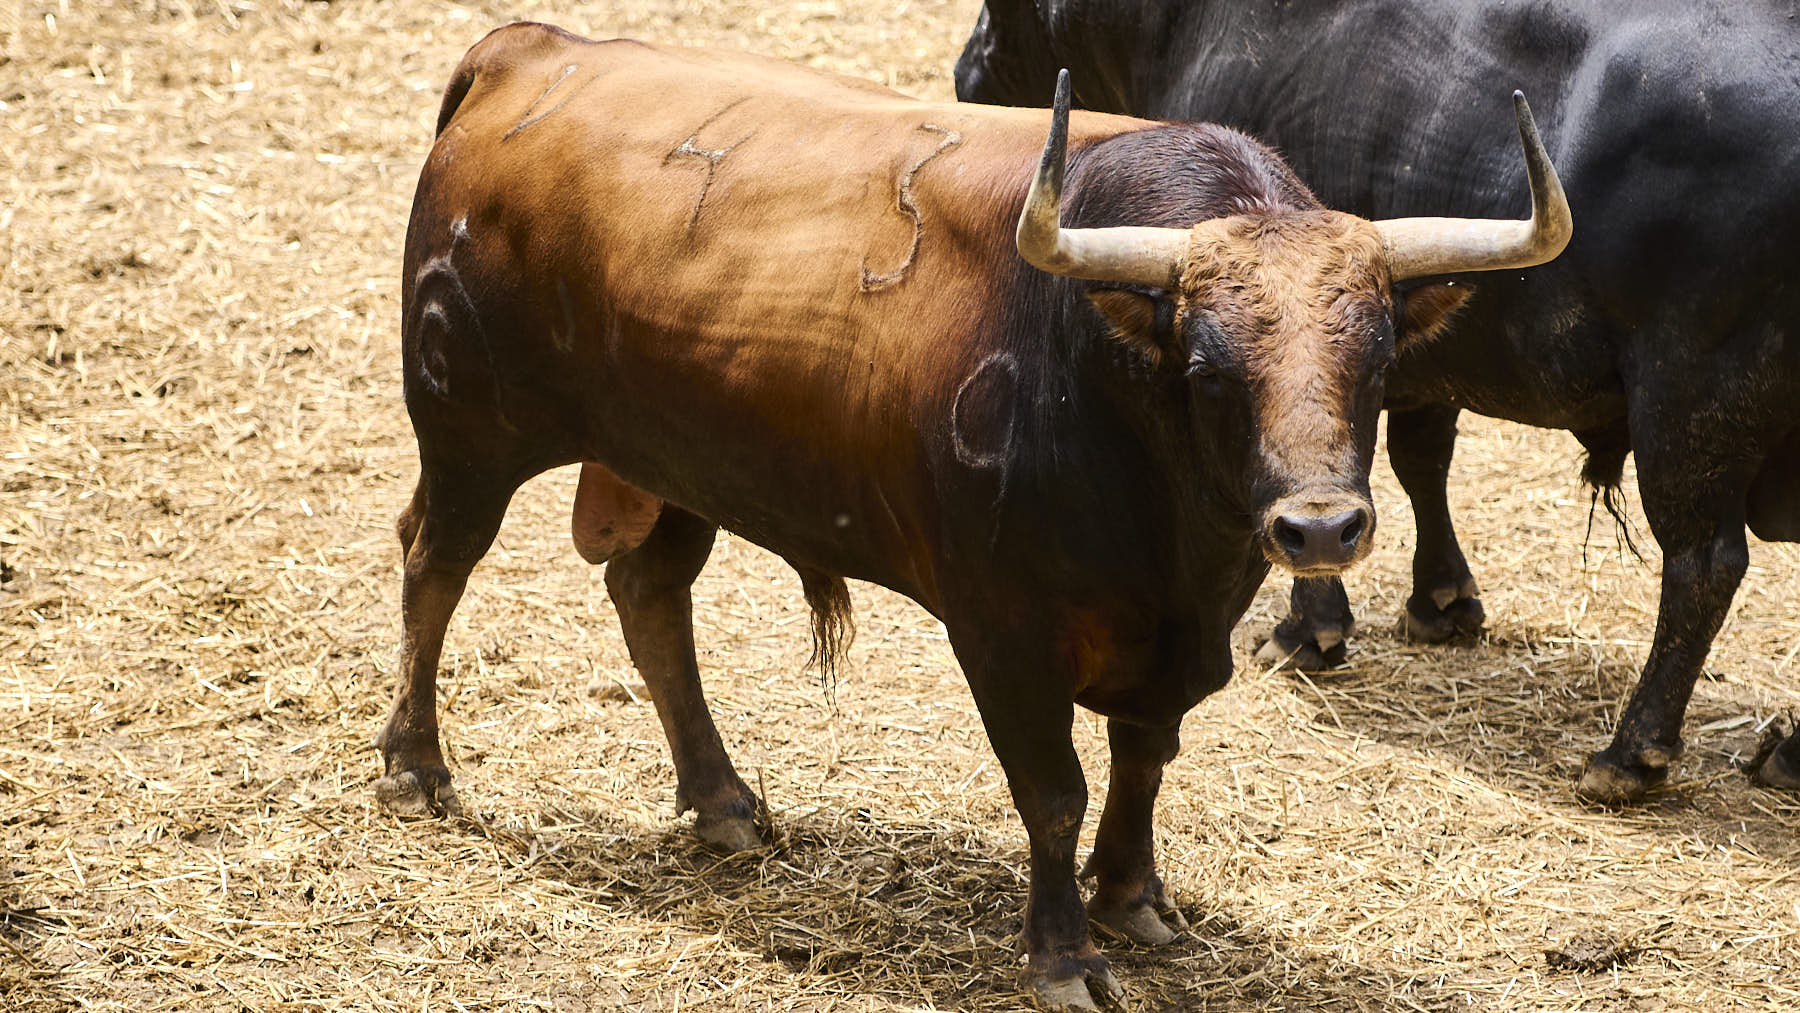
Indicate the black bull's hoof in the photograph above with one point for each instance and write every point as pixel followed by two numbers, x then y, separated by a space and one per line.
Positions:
pixel 1622 775
pixel 1090 984
pixel 1316 633
pixel 1443 614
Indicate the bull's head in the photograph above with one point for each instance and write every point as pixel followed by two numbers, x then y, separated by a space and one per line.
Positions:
pixel 1291 316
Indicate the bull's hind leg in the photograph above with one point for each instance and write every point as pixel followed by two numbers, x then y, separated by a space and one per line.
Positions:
pixel 651 588
pixel 1128 894
pixel 1697 516
pixel 444 531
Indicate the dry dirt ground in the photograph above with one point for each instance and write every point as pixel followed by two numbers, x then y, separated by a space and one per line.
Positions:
pixel 201 212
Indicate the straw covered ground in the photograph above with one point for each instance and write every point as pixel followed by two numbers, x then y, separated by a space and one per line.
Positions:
pixel 202 205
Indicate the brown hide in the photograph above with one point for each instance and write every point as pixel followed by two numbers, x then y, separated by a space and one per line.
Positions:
pixel 776 272
pixel 773 270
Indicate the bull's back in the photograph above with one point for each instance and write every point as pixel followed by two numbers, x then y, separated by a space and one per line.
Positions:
pixel 1675 127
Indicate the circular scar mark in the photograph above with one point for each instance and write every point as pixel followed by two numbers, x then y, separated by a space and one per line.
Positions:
pixel 981 417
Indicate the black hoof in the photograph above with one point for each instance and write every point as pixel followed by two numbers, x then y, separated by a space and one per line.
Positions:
pixel 1621 776
pixel 420 793
pixel 1442 615
pixel 1777 761
pixel 1315 636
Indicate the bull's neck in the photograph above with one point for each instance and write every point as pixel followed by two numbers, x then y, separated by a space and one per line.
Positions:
pixel 1107 467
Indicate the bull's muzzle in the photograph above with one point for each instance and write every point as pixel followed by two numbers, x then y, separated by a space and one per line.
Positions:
pixel 1319 536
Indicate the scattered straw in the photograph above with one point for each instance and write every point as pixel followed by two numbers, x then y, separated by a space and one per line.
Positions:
pixel 201 210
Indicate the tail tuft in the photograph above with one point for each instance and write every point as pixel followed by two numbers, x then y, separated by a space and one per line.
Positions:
pixel 1604 473
pixel 832 627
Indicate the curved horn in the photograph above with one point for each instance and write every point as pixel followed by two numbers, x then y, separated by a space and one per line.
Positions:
pixel 1141 256
pixel 1417 247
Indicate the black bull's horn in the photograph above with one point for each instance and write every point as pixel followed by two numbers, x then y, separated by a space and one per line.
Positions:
pixel 1415 247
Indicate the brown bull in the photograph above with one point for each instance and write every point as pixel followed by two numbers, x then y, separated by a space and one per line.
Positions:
pixel 754 296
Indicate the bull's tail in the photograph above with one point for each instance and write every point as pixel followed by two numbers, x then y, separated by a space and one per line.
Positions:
pixel 1604 473
pixel 832 627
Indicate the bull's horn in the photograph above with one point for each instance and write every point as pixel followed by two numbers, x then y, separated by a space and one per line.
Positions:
pixel 1416 247
pixel 1141 256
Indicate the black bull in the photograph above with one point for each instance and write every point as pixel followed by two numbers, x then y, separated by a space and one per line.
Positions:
pixel 1664 331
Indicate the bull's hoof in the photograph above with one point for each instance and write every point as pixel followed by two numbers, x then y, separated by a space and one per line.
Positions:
pixel 1327 652
pixel 1779 762
pixel 1617 776
pixel 420 793
pixel 1443 614
pixel 1092 985
pixel 1315 635
pixel 727 834
pixel 1141 923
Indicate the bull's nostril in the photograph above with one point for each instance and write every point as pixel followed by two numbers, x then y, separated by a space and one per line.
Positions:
pixel 1291 537
pixel 1352 531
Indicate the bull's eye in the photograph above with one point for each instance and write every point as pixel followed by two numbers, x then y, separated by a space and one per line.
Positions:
pixel 1198 368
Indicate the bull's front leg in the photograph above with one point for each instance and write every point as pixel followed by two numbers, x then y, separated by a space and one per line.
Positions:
pixel 1444 603
pixel 1698 520
pixel 1129 898
pixel 1029 712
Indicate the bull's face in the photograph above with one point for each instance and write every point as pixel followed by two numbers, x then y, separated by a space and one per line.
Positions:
pixel 1281 332
pixel 1292 316
pixel 1284 323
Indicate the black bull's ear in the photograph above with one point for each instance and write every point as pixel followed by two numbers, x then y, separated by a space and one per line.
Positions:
pixel 1426 311
pixel 1145 323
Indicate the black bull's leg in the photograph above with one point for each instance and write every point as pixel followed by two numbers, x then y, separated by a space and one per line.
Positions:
pixel 1443 604
pixel 1697 516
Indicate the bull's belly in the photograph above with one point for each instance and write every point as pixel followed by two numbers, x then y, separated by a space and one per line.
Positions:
pixel 838 516
pixel 1526 405
pixel 1553 387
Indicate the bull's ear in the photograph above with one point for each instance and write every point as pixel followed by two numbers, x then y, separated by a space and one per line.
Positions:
pixel 1428 310
pixel 1145 323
